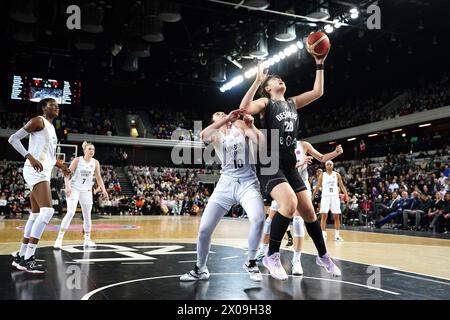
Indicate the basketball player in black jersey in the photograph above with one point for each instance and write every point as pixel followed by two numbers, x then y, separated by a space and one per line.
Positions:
pixel 279 115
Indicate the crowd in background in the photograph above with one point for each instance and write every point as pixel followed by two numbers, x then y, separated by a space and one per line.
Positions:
pixel 400 190
pixel 100 123
pixel 164 123
pixel 167 190
pixel 431 96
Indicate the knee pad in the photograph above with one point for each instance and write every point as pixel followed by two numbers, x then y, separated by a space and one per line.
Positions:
pixel 46 215
pixel 299 231
pixel 29 225
pixel 41 222
pixel 267 224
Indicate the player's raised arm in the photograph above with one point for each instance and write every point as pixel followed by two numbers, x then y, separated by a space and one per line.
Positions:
pixel 319 156
pixel 248 105
pixel 307 97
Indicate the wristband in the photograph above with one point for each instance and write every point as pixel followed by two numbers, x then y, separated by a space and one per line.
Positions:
pixel 319 66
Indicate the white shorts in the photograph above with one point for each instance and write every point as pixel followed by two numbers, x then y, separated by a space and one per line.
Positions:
pixel 85 197
pixel 332 203
pixel 32 177
pixel 229 191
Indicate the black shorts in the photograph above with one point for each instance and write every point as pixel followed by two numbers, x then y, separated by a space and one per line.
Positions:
pixel 286 173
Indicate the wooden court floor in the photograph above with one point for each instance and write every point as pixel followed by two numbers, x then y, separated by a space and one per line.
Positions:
pixel 425 256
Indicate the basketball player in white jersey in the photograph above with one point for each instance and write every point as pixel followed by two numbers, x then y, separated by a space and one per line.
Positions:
pixel 79 188
pixel 237 184
pixel 40 160
pixel 303 160
pixel 328 181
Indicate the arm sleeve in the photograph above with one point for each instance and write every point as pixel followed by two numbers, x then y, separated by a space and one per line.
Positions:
pixel 14 140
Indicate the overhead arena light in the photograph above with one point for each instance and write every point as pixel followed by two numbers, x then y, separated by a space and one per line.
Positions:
pixel 351 139
pixel 286 52
pixel 92 18
pixel 23 33
pixel 218 71
pixel 373 135
pixel 24 11
pixel 129 62
pixel 169 12
pixel 354 13
pixel 258 45
pixel 285 32
pixel 140 50
pixel 332 142
pixel 425 125
pixel 152 30
pixel 320 15
pixel 328 28
pixel 397 130
pixel 258 4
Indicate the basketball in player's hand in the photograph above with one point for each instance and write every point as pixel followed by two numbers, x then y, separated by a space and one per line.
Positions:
pixel 318 44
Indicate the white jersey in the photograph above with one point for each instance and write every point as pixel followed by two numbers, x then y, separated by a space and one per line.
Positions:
pixel 300 155
pixel 83 177
pixel 233 151
pixel 330 184
pixel 42 145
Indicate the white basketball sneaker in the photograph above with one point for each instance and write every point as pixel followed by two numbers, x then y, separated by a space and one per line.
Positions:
pixel 89 244
pixel 338 238
pixel 297 269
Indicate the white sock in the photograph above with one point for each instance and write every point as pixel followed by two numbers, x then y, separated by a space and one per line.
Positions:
pixel 87 236
pixel 336 233
pixel 31 249
pixel 202 269
pixel 297 256
pixel 264 248
pixel 324 233
pixel 61 235
pixel 23 249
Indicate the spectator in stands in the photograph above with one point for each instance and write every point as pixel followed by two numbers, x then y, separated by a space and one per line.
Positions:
pixel 414 211
pixel 390 205
pixel 394 185
pixel 441 219
pixel 402 204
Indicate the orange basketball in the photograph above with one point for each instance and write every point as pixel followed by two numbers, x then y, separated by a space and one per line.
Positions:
pixel 318 44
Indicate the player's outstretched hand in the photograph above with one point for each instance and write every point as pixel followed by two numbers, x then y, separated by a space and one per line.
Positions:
pixel 339 149
pixel 263 72
pixel 234 115
pixel 322 59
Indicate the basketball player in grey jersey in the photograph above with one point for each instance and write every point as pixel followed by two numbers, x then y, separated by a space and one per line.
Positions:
pixel 237 184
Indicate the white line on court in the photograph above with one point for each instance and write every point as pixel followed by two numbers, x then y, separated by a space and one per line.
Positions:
pixel 90 294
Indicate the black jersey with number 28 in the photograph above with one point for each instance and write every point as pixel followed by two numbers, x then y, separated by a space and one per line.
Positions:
pixel 282 116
